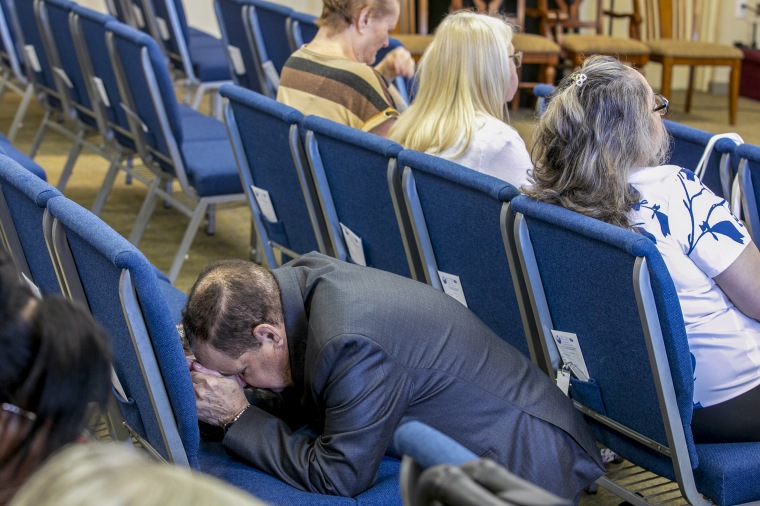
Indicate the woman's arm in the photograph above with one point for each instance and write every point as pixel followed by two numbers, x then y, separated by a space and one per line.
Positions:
pixel 741 281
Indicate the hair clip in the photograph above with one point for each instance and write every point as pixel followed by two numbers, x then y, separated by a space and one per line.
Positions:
pixel 579 78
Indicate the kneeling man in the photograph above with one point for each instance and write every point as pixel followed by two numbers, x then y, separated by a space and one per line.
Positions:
pixel 355 352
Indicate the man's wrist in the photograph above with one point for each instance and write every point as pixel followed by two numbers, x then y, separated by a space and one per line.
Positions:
pixel 226 426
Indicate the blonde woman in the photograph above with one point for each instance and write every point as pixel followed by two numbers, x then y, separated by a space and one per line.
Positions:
pixel 466 77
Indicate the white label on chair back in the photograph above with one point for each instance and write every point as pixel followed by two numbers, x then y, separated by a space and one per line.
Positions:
pixel 272 75
pixel 570 350
pixel 452 286
pixel 63 75
pixel 354 245
pixel 137 12
pixel 98 82
pixel 265 203
pixel 31 58
pixel 563 380
pixel 237 59
pixel 163 28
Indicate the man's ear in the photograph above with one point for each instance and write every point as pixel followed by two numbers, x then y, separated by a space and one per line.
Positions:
pixel 266 333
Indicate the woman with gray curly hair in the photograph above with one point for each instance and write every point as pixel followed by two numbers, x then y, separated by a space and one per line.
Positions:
pixel 599 150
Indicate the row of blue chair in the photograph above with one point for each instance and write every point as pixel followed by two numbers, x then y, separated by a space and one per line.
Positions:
pixel 116 82
pixel 524 268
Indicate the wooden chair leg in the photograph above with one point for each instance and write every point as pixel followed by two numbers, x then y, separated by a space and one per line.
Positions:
pixel 690 89
pixel 667 79
pixel 733 91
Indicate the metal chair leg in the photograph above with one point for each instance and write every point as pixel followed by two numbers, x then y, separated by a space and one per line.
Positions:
pixel 18 119
pixel 146 211
pixel 108 181
pixel 76 148
pixel 187 240
pixel 211 220
pixel 39 135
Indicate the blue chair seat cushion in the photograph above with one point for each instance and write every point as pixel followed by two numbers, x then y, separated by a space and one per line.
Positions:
pixel 197 126
pixel 729 473
pixel 198 39
pixel 211 167
pixel 215 461
pixel 22 159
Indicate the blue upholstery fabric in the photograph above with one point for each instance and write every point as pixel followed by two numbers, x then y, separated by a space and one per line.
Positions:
pixel 27 196
pixel 272 19
pixel 22 159
pixel 751 154
pixel 209 63
pixel 234 33
pixel 306 28
pixel 462 210
pixel 93 29
pixel 58 16
pixel 215 461
pixel 264 127
pixel 31 35
pixel 100 254
pixel 542 92
pixel 586 268
pixel 210 167
pixel 11 32
pixel 356 166
pixel 429 447
pixel 688 145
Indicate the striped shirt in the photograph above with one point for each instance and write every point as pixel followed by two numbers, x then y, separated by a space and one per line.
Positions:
pixel 336 88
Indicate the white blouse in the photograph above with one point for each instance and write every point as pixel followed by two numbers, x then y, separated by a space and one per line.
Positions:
pixel 699 238
pixel 496 149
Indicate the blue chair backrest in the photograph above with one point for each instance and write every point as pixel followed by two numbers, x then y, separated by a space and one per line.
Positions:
pixel 302 28
pixel 39 71
pixel 54 21
pixel 26 197
pixel 146 89
pixel 159 404
pixel 360 187
pixel 456 214
pixel 266 139
pixel 688 145
pixel 89 31
pixel 10 52
pixel 585 276
pixel 749 181
pixel 272 19
pixel 242 55
pixel 171 28
pixel 119 10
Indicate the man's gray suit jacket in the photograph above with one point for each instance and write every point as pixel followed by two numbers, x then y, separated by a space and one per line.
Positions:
pixel 370 350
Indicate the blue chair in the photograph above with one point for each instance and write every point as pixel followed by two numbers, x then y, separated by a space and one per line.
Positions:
pixel 23 200
pixel 301 28
pixel 200 57
pixel 154 386
pixel 268 148
pixel 200 158
pixel 542 93
pixel 13 69
pixel 456 214
pixel 749 187
pixel 610 287
pixel 272 20
pixel 48 80
pixel 688 145
pixel 8 149
pixel 359 187
pixel 244 49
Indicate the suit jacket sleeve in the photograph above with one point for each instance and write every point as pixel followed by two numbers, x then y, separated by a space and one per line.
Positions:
pixel 364 394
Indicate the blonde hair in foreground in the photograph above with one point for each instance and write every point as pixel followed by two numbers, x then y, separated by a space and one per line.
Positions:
pixel 464 72
pixel 116 475
pixel 591 138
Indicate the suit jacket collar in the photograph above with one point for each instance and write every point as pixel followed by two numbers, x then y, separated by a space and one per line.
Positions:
pixel 296 323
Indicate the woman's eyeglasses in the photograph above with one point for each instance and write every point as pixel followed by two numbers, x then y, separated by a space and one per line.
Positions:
pixel 517 58
pixel 660 104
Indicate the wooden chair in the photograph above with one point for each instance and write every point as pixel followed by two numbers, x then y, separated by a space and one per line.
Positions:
pixel 537 50
pixel 671 31
pixel 562 20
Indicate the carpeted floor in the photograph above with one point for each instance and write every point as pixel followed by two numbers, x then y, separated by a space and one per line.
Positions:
pixel 232 236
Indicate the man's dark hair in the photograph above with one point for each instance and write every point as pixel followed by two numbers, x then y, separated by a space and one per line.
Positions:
pixel 230 299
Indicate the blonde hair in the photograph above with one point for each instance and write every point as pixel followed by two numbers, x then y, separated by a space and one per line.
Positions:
pixel 595 131
pixel 463 73
pixel 116 475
